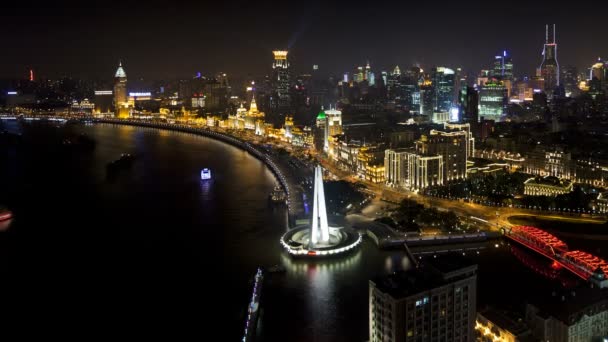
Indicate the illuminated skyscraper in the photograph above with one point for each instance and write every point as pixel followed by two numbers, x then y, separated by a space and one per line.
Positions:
pixel 281 80
pixel 121 100
pixel 492 100
pixel 426 97
pixel 444 86
pixel 550 68
pixel 503 66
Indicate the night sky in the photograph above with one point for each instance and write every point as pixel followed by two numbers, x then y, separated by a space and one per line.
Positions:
pixel 176 39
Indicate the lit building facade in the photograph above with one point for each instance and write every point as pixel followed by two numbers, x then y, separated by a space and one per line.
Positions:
pixel 444 88
pixel 322 132
pixel 549 68
pixel 428 171
pixel 404 168
pixel 503 67
pixel 254 119
pixel 466 127
pixel 452 147
pixel 548 162
pixel 334 120
pixel 429 303
pixel 121 100
pixel 494 327
pixel 492 100
pixel 289 127
pixel 84 107
pixel 547 186
pixel 440 117
pixel 281 80
pixel 396 167
pixel 426 98
pixel 370 164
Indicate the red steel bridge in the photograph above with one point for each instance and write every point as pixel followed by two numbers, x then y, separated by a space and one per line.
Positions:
pixel 586 266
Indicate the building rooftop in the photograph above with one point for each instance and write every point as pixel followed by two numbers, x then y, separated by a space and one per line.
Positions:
pixel 548 180
pixel 120 72
pixel 429 275
pixel 506 321
pixel 569 306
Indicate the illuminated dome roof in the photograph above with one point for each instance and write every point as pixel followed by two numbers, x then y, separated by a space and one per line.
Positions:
pixel 120 72
pixel 321 115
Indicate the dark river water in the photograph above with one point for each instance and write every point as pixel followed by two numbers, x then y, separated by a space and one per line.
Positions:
pixel 156 251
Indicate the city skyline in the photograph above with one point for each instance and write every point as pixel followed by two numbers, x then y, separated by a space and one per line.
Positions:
pixel 306 171
pixel 178 41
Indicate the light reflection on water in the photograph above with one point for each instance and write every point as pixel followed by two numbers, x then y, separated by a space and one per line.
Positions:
pixel 206 188
pixel 397 262
pixel 317 268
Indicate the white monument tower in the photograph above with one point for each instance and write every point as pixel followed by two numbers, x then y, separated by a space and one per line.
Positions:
pixel 320 228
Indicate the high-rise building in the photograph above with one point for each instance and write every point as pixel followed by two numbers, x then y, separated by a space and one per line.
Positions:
pixel 452 146
pixel 371 78
pixel 492 99
pixel 549 67
pixel 433 302
pixel 427 171
pixel 469 106
pixel 359 76
pixel 215 92
pixel 334 120
pixel 404 168
pixel 444 85
pixel 503 66
pixel 569 79
pixel 599 71
pixel 456 127
pixel 121 99
pixel 281 80
pixel 322 132
pixel 396 167
pixel 427 97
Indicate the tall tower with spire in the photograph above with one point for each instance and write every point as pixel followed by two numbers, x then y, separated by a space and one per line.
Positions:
pixel 549 68
pixel 319 231
pixel 121 101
